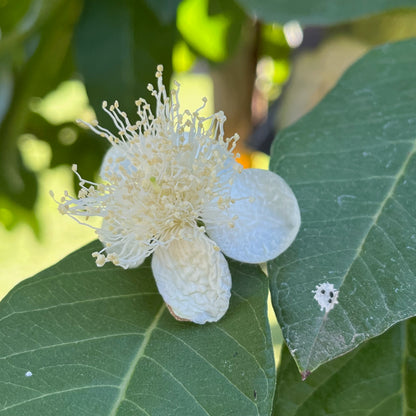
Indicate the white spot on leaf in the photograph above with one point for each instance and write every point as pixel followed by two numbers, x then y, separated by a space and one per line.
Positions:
pixel 326 295
pixel 340 199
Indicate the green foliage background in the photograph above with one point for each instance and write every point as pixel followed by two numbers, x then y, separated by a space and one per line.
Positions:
pixel 99 341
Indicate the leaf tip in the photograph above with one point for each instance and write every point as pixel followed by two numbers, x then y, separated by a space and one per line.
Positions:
pixel 305 374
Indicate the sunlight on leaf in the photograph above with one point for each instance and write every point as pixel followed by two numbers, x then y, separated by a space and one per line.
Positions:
pixel 66 103
pixel 206 34
pixel 182 57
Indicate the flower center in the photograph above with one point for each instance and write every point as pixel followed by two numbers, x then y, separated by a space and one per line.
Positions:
pixel 165 176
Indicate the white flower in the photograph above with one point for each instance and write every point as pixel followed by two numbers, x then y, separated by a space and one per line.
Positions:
pixel 173 189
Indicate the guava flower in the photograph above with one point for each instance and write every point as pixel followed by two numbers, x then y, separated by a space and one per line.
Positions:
pixel 173 190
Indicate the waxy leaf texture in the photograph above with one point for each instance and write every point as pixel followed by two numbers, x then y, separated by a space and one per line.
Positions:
pixel 351 163
pixel 79 340
pixel 377 378
pixel 319 12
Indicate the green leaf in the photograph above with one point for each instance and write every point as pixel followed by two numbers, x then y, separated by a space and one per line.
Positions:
pixel 211 28
pixel 351 163
pixel 318 12
pixel 377 379
pixel 165 10
pixel 101 342
pixel 118 46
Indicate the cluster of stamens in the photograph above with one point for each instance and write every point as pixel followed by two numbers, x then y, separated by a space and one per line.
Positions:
pixel 166 176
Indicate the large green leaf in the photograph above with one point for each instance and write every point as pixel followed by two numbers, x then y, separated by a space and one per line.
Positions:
pixel 351 163
pixel 377 379
pixel 318 12
pixel 78 340
pixel 118 46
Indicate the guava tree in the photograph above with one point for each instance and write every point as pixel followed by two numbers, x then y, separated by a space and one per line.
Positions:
pixel 338 233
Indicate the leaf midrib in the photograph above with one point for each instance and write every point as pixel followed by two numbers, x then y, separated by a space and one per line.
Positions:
pixel 375 217
pixel 133 364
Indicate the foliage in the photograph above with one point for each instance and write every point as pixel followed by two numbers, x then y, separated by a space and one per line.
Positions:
pixel 75 339
pixel 318 12
pixel 46 43
pixel 353 174
pixel 377 378
pixel 105 343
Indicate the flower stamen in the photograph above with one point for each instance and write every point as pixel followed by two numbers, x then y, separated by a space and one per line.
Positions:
pixel 164 173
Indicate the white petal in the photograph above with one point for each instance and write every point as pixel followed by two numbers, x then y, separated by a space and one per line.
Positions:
pixel 130 252
pixel 193 279
pixel 265 227
pixel 113 159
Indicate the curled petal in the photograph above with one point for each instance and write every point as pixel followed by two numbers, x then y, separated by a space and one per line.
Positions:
pixel 193 279
pixel 264 219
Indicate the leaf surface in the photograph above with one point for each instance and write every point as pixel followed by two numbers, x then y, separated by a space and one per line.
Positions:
pixel 351 163
pixel 165 10
pixel 318 12
pixel 118 46
pixel 377 379
pixel 78 340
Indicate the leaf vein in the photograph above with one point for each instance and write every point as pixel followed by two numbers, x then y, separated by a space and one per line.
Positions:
pixel 78 302
pixel 69 343
pixel 210 364
pixel 140 353
pixel 178 382
pixel 376 217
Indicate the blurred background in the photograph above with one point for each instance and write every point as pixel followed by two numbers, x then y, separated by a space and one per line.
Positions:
pixel 59 59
